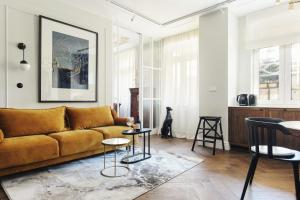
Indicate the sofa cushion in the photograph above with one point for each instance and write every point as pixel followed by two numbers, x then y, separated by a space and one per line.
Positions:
pixel 27 149
pixel 77 141
pixel 81 118
pixel 112 131
pixel 21 122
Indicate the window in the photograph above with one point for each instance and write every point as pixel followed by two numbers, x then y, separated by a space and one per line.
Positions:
pixel 277 74
pixel 295 72
pixel 269 73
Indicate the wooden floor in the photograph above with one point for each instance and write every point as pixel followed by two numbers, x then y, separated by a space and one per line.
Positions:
pixel 220 177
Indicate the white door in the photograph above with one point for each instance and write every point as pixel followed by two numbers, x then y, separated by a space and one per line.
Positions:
pixel 150 96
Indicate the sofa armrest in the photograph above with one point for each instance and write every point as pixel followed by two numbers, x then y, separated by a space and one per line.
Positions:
pixel 1 136
pixel 121 121
pixel 114 113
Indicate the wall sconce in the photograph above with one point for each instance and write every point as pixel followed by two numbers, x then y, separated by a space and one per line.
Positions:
pixel 24 65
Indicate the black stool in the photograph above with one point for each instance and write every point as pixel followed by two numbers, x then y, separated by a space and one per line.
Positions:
pixel 207 125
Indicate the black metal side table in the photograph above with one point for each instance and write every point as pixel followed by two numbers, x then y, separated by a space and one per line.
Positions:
pixel 137 157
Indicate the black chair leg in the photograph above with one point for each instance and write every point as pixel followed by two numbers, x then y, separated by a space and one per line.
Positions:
pixel 250 172
pixel 215 141
pixel 296 177
pixel 221 131
pixel 223 143
pixel 253 172
pixel 203 134
pixel 195 139
pixel 196 136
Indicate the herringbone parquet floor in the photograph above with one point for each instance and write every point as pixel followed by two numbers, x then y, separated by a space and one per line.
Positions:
pixel 220 177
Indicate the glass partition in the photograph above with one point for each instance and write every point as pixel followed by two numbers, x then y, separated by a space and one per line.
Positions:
pixel 151 71
pixel 126 56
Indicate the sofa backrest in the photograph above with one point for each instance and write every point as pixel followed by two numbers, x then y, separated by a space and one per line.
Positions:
pixel 21 122
pixel 81 118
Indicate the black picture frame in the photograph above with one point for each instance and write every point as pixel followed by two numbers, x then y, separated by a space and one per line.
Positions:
pixel 40 100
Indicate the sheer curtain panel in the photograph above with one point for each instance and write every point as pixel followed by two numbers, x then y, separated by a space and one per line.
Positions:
pixel 180 82
pixel 127 68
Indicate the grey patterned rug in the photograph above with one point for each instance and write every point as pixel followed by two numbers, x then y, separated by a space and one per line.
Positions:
pixel 81 180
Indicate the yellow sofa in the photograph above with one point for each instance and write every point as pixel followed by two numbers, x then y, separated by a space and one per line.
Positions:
pixel 34 138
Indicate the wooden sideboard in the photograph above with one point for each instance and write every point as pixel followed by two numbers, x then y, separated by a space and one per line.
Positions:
pixel 238 132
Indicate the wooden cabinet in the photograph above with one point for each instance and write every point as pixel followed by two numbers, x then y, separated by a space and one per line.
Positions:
pixel 238 133
pixel 134 103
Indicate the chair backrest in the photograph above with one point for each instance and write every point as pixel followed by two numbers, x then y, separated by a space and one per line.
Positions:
pixel 261 128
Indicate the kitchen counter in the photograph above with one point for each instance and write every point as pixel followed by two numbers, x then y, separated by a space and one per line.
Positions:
pixel 238 131
pixel 266 106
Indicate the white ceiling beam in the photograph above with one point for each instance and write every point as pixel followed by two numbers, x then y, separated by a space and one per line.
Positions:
pixel 199 12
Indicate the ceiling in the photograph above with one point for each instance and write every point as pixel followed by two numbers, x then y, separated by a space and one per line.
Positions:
pixel 150 13
pixel 163 11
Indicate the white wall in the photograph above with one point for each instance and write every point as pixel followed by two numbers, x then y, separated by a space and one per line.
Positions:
pixel 244 67
pixel 19 23
pixel 2 57
pixel 264 28
pixel 217 58
pixel 233 57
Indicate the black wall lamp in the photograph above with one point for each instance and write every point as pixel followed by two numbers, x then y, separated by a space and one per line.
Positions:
pixel 24 65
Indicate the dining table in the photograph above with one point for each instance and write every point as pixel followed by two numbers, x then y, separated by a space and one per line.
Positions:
pixel 293 126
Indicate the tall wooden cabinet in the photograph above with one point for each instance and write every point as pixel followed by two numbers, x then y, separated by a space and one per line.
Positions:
pixel 134 102
pixel 238 133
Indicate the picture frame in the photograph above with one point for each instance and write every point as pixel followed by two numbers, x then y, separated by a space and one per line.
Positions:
pixel 68 62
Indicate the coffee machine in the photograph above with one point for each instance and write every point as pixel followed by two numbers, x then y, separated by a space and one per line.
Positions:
pixel 252 100
pixel 246 100
pixel 242 99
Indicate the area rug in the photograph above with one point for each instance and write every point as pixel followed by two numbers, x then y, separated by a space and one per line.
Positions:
pixel 81 180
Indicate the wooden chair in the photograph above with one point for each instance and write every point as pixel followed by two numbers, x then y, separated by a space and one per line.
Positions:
pixel 262 142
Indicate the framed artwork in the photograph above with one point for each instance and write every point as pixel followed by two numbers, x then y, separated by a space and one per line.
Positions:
pixel 68 62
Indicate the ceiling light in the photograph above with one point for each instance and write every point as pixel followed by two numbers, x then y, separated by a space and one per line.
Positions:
pixel 291 5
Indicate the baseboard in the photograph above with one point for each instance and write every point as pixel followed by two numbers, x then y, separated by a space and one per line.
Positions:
pixel 218 145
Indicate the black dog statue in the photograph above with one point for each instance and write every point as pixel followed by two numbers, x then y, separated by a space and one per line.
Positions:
pixel 167 125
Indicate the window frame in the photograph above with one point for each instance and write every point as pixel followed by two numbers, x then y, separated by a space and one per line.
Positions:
pixel 285 76
pixel 288 77
pixel 255 76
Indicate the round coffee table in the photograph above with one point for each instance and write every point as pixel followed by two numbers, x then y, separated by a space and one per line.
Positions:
pixel 137 157
pixel 115 170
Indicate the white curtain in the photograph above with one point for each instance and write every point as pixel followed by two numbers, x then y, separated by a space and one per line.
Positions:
pixel 180 82
pixel 126 69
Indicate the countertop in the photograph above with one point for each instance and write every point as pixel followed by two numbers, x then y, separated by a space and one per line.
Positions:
pixel 266 106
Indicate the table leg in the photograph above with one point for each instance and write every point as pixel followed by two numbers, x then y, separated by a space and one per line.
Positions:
pixel 104 156
pixel 115 161
pixel 127 155
pixel 149 142
pixel 133 143
pixel 144 144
